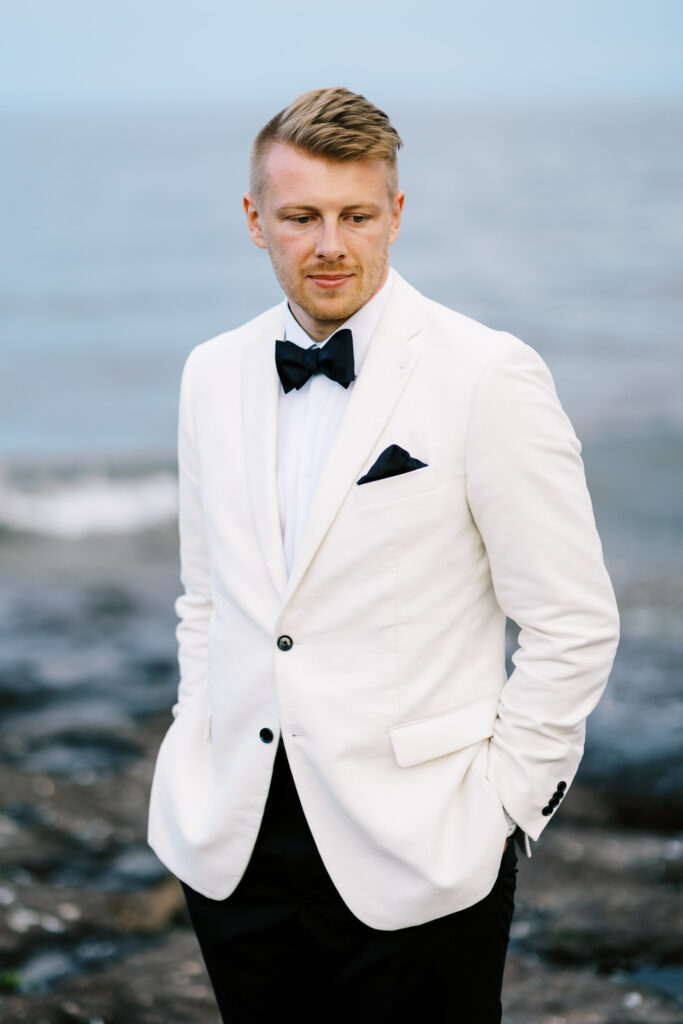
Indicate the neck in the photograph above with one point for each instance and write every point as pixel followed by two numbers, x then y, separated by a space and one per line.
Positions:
pixel 318 330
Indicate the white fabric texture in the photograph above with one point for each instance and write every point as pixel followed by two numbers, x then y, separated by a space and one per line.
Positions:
pixel 379 654
pixel 308 419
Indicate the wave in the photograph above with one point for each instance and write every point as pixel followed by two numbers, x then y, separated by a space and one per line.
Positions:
pixel 81 503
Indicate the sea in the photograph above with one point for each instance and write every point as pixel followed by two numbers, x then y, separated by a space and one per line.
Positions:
pixel 124 245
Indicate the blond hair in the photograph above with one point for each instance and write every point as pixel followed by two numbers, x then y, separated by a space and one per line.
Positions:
pixel 334 124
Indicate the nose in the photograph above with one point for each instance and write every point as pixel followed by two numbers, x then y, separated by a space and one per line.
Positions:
pixel 329 242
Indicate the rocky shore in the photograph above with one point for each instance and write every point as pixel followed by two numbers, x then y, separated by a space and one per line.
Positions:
pixel 93 931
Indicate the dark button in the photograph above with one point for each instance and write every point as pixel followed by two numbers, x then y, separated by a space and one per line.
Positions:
pixel 266 735
pixel 554 801
pixel 546 811
pixel 559 793
pixel 562 785
pixel 285 643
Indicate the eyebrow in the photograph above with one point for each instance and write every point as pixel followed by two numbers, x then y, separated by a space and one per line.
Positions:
pixel 370 207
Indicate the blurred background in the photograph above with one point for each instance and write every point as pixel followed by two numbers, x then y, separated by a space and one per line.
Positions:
pixel 543 167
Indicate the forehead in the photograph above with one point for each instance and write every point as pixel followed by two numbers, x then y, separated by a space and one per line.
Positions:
pixel 294 177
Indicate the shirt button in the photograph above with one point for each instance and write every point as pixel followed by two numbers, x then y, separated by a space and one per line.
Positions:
pixel 285 643
pixel 266 735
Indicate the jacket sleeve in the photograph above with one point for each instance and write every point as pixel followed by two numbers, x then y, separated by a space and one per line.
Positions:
pixel 194 606
pixel 527 494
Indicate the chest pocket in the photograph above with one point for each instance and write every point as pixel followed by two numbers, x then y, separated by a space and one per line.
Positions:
pixel 393 488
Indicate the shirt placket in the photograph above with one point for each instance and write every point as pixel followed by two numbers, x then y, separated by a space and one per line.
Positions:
pixel 307 476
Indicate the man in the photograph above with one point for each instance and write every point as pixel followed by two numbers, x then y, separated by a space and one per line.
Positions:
pixel 360 510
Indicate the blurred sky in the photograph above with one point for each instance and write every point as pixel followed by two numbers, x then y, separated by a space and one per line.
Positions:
pixel 189 52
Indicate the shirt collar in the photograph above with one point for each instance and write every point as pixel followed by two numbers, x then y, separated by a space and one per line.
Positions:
pixel 362 324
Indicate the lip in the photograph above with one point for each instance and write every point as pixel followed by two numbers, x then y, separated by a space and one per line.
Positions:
pixel 330 280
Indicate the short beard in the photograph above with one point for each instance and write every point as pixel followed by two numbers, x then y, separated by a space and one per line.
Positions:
pixel 322 314
pixel 323 317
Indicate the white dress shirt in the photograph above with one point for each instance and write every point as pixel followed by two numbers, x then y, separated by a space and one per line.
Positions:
pixel 308 420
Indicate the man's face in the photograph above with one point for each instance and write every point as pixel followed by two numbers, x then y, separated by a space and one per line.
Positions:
pixel 327 226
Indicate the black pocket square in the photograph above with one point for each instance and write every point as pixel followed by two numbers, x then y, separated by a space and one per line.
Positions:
pixel 393 461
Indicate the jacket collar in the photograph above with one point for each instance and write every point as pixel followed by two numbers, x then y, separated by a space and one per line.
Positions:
pixel 391 358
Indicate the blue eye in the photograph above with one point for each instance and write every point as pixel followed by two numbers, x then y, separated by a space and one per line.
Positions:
pixel 302 220
pixel 358 218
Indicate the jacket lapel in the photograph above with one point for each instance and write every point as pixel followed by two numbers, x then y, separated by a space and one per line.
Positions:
pixel 388 365
pixel 391 358
pixel 260 393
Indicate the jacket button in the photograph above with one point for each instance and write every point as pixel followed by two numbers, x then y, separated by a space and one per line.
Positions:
pixel 546 811
pixel 266 735
pixel 561 785
pixel 554 801
pixel 285 643
pixel 559 793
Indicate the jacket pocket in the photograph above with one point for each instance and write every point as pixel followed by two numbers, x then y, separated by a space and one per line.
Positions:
pixel 391 488
pixel 427 738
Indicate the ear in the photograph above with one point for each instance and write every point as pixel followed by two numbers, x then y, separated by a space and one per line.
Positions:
pixel 396 212
pixel 254 221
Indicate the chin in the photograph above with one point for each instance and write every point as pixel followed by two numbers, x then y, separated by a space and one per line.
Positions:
pixel 337 307
pixel 334 311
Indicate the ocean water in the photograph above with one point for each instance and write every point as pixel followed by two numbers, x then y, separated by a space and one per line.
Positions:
pixel 124 245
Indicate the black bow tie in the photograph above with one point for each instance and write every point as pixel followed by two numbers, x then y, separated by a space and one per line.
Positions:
pixel 335 359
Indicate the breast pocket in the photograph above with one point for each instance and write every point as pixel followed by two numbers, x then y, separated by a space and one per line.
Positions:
pixel 393 488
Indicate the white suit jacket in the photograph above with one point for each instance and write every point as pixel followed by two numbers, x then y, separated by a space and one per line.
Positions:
pixel 404 736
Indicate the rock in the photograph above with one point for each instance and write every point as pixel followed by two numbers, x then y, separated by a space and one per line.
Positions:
pixel 87 912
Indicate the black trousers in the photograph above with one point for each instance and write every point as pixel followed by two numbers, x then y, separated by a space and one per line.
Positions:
pixel 285 939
